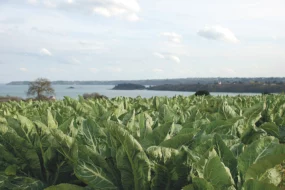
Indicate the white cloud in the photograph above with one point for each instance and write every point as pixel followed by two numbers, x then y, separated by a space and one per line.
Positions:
pixel 93 70
pixel 97 47
pixel 172 37
pixel 44 51
pixel 114 69
pixel 23 69
pixel 157 70
pixel 218 33
pixel 74 61
pixel 32 2
pixel 49 30
pixel 49 4
pixel 167 56
pixel 55 70
pixel 228 71
pixel 125 9
pixel 102 11
pixel 159 55
pixel 174 58
pixel 133 17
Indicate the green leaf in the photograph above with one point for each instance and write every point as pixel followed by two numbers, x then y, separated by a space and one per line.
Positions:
pixel 227 156
pixel 228 111
pixel 199 184
pixel 178 141
pixel 145 123
pixel 161 177
pixel 272 176
pixel 11 170
pixel 93 169
pixel 253 114
pixel 20 183
pixel 24 151
pixel 218 174
pixel 271 156
pixel 133 158
pixel 258 185
pixel 271 129
pixel 65 144
pixel 158 135
pixel 50 120
pixel 259 156
pixel 65 186
pixel 166 114
pixel 162 155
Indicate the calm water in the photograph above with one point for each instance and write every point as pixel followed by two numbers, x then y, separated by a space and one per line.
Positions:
pixel 62 90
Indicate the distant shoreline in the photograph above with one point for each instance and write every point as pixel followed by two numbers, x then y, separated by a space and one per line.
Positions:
pixel 183 81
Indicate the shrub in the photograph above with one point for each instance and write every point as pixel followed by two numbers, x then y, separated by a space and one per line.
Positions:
pixel 202 93
pixel 266 93
pixel 94 96
pixel 10 98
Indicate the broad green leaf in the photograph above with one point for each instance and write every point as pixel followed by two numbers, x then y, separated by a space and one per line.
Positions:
pixel 11 170
pixel 253 114
pixel 50 120
pixel 226 156
pixel 163 155
pixel 252 184
pixel 259 156
pixel 272 176
pixel 24 151
pixel 166 114
pixel 161 177
pixel 134 158
pixel 145 124
pixel 178 141
pixel 7 156
pixel 199 184
pixel 93 175
pixel 218 174
pixel 271 129
pixel 65 144
pixel 20 183
pixel 158 135
pixel 271 156
pixel 228 111
pixel 94 169
pixel 65 187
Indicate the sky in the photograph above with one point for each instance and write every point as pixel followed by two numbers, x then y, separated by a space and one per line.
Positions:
pixel 141 39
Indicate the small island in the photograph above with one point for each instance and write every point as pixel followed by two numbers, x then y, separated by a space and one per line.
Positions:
pixel 129 86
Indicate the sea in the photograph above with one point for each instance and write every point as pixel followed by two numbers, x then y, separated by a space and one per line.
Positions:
pixel 64 90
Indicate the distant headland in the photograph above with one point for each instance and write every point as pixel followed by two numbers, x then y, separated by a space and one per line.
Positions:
pixel 147 82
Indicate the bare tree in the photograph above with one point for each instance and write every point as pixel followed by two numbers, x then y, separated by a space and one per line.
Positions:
pixel 41 87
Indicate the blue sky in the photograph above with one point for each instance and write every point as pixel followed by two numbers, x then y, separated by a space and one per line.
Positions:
pixel 141 39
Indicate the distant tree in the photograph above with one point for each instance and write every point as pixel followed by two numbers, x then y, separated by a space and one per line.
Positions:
pixel 202 93
pixel 266 93
pixel 41 87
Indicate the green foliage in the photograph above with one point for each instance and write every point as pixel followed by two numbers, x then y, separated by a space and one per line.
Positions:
pixel 202 93
pixel 194 142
